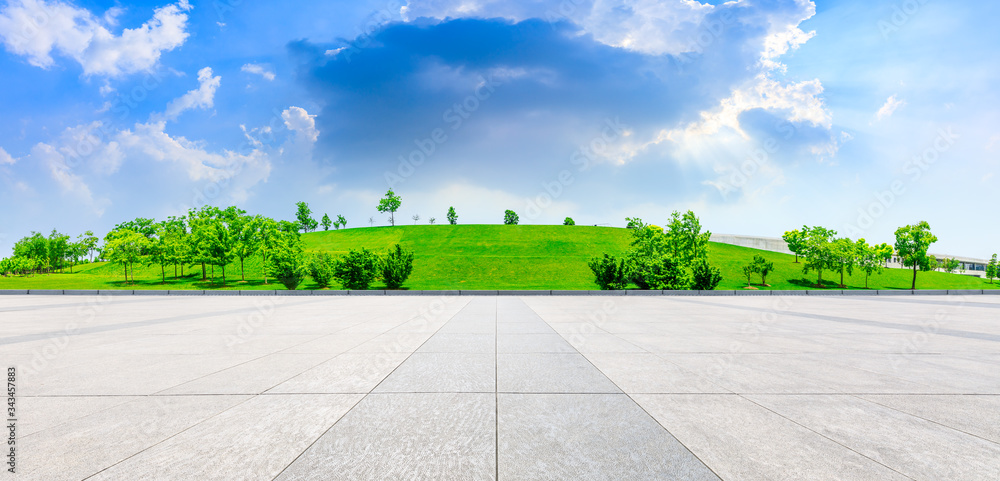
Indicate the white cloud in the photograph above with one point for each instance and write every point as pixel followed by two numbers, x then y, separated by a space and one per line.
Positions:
pixel 36 28
pixel 6 158
pixel 258 70
pixel 71 183
pixel 298 120
pixel 889 107
pixel 202 97
pixel 150 142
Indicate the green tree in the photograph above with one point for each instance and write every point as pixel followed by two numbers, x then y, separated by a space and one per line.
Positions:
pixel 763 267
pixel 396 267
pixel 634 223
pixel 569 221
pixel 843 257
pixel 912 242
pixel 269 239
pixel 685 238
pixel 796 240
pixel 415 217
pixel 89 242
pixel 871 259
pixel 431 221
pixel 34 250
pixel 77 252
pixel 950 265
pixel 244 235
pixel 452 216
pixel 58 250
pixel 285 261
pixel 326 222
pixel 357 270
pixel 158 251
pixel 992 268
pixel 749 270
pixel 341 221
pixel 304 217
pixel 126 248
pixel 390 203
pixel 609 274
pixel 173 234
pixel 510 217
pixel 818 251
pixel 199 242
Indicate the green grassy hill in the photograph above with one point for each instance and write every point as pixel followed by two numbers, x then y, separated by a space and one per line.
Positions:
pixel 486 257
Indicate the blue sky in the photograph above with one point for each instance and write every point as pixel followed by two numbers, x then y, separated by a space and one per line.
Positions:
pixel 759 115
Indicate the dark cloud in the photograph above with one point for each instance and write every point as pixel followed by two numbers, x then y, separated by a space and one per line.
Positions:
pixel 553 87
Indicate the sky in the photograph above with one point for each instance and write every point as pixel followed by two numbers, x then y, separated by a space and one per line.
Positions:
pixel 759 115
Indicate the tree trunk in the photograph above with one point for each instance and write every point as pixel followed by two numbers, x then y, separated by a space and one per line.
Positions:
pixel 175 270
pixel 841 277
pixel 126 272
pixel 203 276
pixel 213 272
pixel 223 273
pixel 866 280
pixel 914 285
pixel 243 274
pixel 163 274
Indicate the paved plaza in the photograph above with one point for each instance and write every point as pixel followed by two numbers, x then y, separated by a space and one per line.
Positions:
pixel 510 388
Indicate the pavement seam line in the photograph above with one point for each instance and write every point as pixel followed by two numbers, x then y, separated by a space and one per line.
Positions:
pixel 363 397
pixel 622 391
pixel 823 435
pixel 921 417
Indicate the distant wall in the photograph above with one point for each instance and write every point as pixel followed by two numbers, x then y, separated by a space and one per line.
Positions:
pixel 773 244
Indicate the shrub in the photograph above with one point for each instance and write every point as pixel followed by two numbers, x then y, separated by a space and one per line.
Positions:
pixel 510 217
pixel 321 269
pixel 396 267
pixel 609 273
pixel 357 270
pixel 286 263
pixel 657 272
pixel 569 221
pixel 636 268
pixel 704 276
pixel 666 273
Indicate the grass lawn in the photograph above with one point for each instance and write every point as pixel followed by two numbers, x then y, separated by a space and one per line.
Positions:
pixel 486 257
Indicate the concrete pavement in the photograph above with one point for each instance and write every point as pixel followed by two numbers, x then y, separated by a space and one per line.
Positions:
pixel 467 388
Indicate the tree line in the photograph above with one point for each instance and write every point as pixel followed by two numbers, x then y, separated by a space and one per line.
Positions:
pixel 822 251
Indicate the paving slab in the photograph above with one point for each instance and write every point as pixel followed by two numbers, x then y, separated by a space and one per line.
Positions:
pixel 587 437
pixel 443 372
pixel 254 440
pixel 740 440
pixel 550 373
pixel 441 436
pixel 83 447
pixel 910 445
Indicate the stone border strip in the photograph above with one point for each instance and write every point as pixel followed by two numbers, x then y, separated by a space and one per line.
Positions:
pixel 831 292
